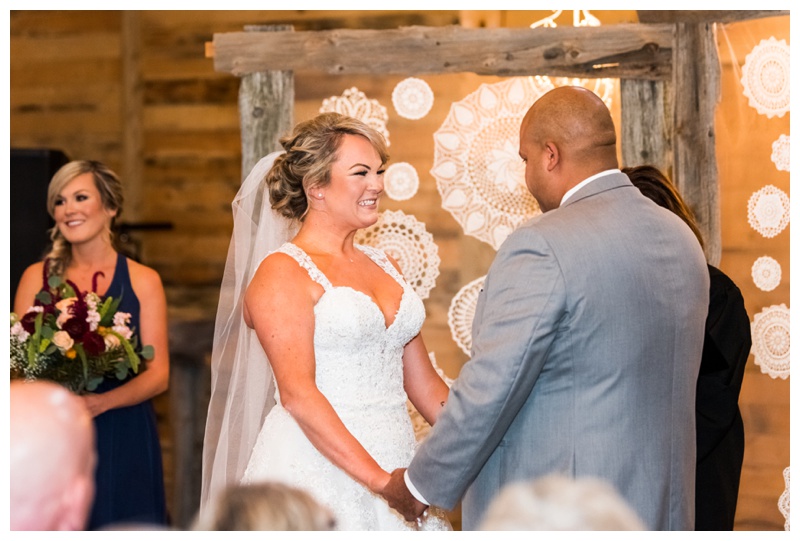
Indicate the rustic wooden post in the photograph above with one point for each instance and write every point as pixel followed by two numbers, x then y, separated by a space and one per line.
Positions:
pixel 132 113
pixel 696 92
pixel 646 124
pixel 266 108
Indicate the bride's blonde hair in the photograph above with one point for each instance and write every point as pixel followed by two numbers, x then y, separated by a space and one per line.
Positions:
pixel 311 149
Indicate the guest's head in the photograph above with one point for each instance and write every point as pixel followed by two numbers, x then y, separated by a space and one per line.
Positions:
pixel 560 503
pixel 264 506
pixel 52 458
pixel 565 137
pixel 84 199
pixel 304 171
pixel 657 187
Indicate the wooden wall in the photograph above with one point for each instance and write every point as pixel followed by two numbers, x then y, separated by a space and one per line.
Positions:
pixel 133 89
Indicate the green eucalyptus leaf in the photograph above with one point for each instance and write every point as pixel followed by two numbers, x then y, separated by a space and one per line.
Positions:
pixel 44 297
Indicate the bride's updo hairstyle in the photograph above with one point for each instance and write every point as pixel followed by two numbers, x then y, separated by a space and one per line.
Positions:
pixel 110 188
pixel 311 150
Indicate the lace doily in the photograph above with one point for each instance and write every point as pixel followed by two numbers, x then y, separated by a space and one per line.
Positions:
pixel 355 103
pixel 462 312
pixel 783 501
pixel 765 76
pixel 421 426
pixel 780 153
pixel 401 181
pixel 478 171
pixel 768 211
pixel 405 238
pixel 770 330
pixel 766 273
pixel 604 88
pixel 412 98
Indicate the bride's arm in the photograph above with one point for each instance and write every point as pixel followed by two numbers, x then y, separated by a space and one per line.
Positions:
pixel 424 387
pixel 279 305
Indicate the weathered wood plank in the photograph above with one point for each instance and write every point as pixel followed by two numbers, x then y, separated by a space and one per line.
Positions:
pixel 266 106
pixel 696 80
pixel 624 51
pixel 646 124
pixel 705 16
pixel 68 47
pixel 132 113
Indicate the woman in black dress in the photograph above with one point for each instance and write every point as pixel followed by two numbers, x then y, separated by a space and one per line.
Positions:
pixel 84 198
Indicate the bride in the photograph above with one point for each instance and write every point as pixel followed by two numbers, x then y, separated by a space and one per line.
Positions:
pixel 340 328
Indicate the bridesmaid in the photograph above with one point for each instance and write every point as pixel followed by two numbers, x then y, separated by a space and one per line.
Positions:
pixel 84 198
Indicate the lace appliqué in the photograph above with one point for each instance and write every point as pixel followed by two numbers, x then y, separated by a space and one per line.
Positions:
pixel 462 312
pixel 355 103
pixel 766 273
pixel 405 238
pixel 765 76
pixel 401 181
pixel 783 501
pixel 770 331
pixel 412 98
pixel 478 171
pixel 780 153
pixel 768 211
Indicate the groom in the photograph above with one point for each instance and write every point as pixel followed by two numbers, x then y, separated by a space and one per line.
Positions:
pixel 587 339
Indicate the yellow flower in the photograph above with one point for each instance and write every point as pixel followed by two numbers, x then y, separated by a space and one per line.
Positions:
pixel 71 354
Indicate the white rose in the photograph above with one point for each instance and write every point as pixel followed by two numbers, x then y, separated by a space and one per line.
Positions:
pixel 64 304
pixel 63 340
pixel 111 341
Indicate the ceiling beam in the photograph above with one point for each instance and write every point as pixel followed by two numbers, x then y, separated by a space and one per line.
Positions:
pixel 705 16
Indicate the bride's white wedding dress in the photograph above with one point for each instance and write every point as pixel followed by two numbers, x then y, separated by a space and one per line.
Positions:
pixel 359 369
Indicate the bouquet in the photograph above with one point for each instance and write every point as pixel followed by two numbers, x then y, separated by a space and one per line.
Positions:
pixel 74 338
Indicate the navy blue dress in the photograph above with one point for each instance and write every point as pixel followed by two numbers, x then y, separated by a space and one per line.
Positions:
pixel 129 476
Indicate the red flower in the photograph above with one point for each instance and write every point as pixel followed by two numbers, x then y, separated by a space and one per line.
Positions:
pixel 76 327
pixel 28 322
pixel 93 344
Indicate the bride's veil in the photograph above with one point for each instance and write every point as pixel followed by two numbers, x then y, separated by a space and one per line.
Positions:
pixel 242 387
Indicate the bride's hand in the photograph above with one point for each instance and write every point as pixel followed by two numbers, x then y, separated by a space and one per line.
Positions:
pixel 379 482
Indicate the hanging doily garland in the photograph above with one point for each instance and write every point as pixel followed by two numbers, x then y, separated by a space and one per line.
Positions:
pixel 768 211
pixel 770 331
pixel 478 171
pixel 766 273
pixel 412 98
pixel 355 103
pixel 780 153
pixel 421 426
pixel 401 181
pixel 765 76
pixel 783 501
pixel 462 312
pixel 405 238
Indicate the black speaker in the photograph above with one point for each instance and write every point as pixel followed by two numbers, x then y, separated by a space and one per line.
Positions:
pixel 31 171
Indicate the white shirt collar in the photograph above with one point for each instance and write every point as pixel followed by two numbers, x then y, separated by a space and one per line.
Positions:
pixel 584 182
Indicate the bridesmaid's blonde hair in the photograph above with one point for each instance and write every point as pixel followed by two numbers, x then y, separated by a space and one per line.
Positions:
pixel 110 188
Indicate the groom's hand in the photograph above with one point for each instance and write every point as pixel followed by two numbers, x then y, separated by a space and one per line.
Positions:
pixel 397 494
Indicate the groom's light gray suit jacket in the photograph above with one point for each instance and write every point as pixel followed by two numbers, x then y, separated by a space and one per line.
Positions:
pixel 586 348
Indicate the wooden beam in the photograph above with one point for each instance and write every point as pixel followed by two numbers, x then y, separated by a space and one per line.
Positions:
pixel 646 124
pixel 626 51
pixel 696 92
pixel 132 114
pixel 704 16
pixel 266 106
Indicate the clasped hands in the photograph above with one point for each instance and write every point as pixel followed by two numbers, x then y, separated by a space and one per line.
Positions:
pixel 400 498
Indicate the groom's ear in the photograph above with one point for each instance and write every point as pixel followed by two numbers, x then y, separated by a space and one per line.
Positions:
pixel 551 155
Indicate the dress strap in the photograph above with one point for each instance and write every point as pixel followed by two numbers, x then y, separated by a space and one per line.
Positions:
pixel 304 260
pixel 379 257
